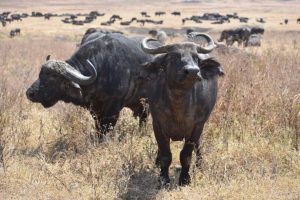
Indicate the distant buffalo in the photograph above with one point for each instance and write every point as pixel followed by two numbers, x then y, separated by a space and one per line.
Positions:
pixel 176 13
pixel 15 32
pixel 240 35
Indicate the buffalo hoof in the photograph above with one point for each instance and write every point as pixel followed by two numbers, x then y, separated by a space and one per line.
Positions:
pixel 164 183
pixel 199 165
pixel 184 180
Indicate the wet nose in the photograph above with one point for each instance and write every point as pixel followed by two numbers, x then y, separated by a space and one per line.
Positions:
pixel 191 70
pixel 30 94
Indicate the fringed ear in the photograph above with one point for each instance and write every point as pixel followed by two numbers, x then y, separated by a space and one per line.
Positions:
pixel 157 63
pixel 210 68
pixel 153 68
pixel 74 90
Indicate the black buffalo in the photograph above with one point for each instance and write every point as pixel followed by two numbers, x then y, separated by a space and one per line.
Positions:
pixel 15 32
pixel 240 35
pixel 176 13
pixel 16 17
pixel 102 75
pixel 182 94
pixel 257 30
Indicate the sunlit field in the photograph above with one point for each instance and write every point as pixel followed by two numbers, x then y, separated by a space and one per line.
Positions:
pixel 250 144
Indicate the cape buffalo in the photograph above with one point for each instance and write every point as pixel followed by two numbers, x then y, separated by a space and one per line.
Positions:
pixel 102 75
pixel 240 35
pixel 182 94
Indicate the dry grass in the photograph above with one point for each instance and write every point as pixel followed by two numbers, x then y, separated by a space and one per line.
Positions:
pixel 249 144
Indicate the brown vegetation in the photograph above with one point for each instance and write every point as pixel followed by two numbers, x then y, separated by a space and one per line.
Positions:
pixel 249 144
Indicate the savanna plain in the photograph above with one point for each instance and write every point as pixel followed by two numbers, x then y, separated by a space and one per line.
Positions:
pixel 250 145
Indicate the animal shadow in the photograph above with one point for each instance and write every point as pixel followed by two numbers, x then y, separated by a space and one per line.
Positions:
pixel 143 185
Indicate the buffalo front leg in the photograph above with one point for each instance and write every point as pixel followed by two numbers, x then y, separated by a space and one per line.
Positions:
pixel 158 158
pixel 105 121
pixel 185 160
pixel 165 156
pixel 198 155
pixel 105 124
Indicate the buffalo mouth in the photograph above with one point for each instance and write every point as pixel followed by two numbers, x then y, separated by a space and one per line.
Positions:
pixel 48 104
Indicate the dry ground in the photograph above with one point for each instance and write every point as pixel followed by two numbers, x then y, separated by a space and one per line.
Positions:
pixel 249 144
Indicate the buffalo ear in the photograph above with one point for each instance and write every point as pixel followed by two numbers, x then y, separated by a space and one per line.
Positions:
pixel 151 69
pixel 48 57
pixel 156 63
pixel 210 68
pixel 74 90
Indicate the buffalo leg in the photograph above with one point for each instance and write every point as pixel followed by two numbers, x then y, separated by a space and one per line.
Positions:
pixel 198 154
pixel 196 138
pixel 185 160
pixel 104 124
pixel 165 156
pixel 141 111
pixel 158 157
pixel 106 118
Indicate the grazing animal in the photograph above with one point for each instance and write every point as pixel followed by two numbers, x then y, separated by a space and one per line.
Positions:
pixel 181 97
pixel 16 17
pixel 286 21
pixel 3 23
pixel 257 30
pixel 176 13
pixel 116 17
pixel 15 32
pixel 143 13
pixel 240 35
pixel 298 21
pixel 244 19
pixel 102 76
pixel 36 14
pixel 48 16
pixel 261 20
pixel 159 13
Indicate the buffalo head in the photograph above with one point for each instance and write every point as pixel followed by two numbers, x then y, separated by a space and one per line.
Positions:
pixel 59 81
pixel 184 63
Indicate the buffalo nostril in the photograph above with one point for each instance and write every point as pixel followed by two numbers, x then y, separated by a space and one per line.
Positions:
pixel 30 94
pixel 193 71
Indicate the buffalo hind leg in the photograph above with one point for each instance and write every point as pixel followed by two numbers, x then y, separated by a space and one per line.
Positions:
pixel 185 160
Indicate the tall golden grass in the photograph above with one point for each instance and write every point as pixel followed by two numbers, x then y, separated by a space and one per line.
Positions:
pixel 250 144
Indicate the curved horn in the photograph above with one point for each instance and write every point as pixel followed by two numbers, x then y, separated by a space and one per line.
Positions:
pixel 211 44
pixel 158 50
pixel 77 77
pixel 71 73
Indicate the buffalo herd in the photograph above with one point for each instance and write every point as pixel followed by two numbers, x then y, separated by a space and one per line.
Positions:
pixel 176 83
pixel 241 35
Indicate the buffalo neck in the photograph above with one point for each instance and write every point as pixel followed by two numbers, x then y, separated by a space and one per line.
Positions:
pixel 179 97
